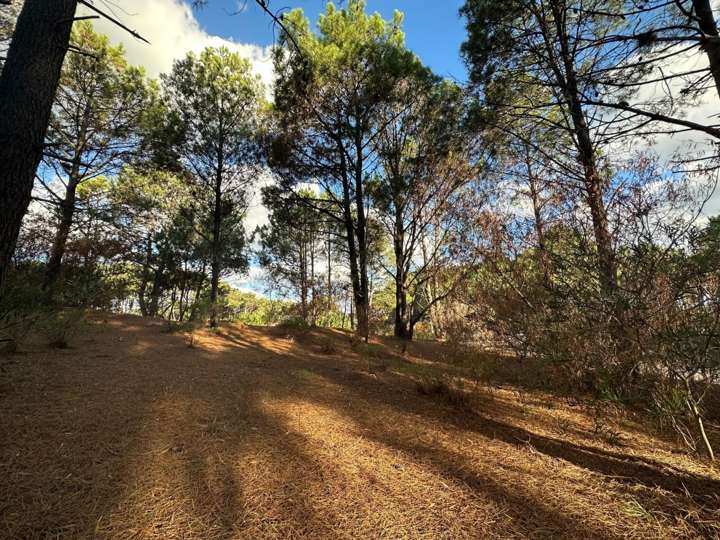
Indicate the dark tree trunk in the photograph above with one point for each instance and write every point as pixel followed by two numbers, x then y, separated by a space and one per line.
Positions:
pixel 411 330
pixel 402 327
pixel 142 289
pixel 355 272
pixel 184 293
pixel 171 307
pixel 28 84
pixel 708 26
pixel 362 297
pixel 141 298
pixel 329 274
pixel 313 299
pixel 587 157
pixel 197 294
pixel 67 207
pixel 593 183
pixel 214 287
pixel 304 312
pixel 67 212
pixel 352 314
pixel 215 266
pixel 154 304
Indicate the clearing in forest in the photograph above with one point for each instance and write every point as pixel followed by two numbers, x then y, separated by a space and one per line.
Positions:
pixel 136 432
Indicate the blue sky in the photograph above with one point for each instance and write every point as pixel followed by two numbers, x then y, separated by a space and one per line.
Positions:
pixel 434 29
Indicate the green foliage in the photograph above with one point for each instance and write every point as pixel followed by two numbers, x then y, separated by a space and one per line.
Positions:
pixel 216 102
pixel 100 103
pixel 331 93
pixel 383 307
pixel 289 250
pixel 24 314
pixel 349 41
pixel 215 105
pixel 293 322
pixel 490 35
pixel 249 308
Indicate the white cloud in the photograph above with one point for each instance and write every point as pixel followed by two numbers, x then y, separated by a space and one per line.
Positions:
pixel 257 213
pixel 253 281
pixel 678 144
pixel 172 30
pixel 704 111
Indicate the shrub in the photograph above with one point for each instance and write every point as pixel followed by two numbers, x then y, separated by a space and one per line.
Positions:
pixel 445 389
pixel 60 327
pixel 294 322
pixel 327 346
pixel 171 327
pixel 14 327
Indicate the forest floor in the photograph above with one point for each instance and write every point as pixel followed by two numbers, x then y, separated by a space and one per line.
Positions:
pixel 137 432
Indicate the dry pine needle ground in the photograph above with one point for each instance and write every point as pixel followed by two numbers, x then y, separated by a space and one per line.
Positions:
pixel 264 433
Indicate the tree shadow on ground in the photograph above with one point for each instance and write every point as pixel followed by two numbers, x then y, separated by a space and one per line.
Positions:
pixel 166 441
pixel 628 469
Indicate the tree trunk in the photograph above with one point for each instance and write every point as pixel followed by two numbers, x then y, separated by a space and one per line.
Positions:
pixel 216 246
pixel 214 287
pixel 708 26
pixel 362 297
pixel 329 275
pixel 401 329
pixel 535 191
pixel 184 294
pixel 173 301
pixel 303 285
pixel 145 276
pixel 355 279
pixel 141 297
pixel 67 211
pixel 697 415
pixel 153 305
pixel 28 84
pixel 313 299
pixel 588 160
pixel 68 204
pixel 401 310
pixel 198 292
pixel 352 313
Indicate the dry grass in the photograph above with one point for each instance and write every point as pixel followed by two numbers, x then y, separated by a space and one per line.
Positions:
pixel 261 433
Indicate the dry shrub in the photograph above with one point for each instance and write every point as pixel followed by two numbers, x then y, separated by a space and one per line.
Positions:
pixel 294 323
pixel 530 373
pixel 60 327
pixel 446 389
pixel 327 346
pixel 172 327
pixel 14 328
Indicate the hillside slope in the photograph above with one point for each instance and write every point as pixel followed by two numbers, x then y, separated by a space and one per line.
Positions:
pixel 134 432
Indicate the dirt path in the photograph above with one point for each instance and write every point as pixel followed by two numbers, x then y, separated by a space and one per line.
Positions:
pixel 254 434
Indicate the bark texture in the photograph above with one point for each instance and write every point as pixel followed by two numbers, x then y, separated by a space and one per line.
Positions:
pixel 28 84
